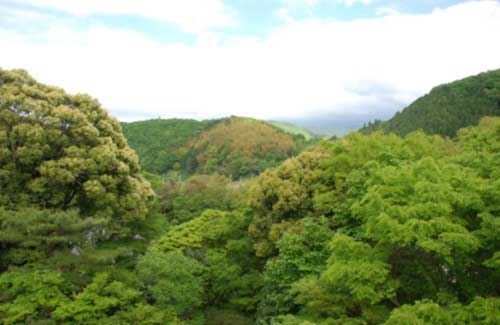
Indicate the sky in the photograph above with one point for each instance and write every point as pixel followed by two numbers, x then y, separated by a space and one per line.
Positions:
pixel 269 59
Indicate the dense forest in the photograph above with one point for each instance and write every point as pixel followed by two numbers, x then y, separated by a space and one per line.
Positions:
pixel 366 229
pixel 447 108
pixel 235 147
pixel 159 143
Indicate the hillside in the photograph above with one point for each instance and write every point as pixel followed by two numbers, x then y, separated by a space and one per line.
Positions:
pixel 294 129
pixel 158 142
pixel 235 147
pixel 448 107
pixel 239 147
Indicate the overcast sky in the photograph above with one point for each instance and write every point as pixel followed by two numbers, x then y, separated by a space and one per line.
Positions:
pixel 266 58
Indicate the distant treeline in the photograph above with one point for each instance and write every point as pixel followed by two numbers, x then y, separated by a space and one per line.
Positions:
pixel 235 147
pixel 447 108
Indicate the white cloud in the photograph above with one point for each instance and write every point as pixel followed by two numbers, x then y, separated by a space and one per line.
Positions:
pixel 284 15
pixel 304 67
pixel 353 2
pixel 299 3
pixel 190 15
pixel 313 3
pixel 383 11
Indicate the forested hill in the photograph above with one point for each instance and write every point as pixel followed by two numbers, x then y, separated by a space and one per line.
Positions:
pixel 158 141
pixel 448 107
pixel 235 146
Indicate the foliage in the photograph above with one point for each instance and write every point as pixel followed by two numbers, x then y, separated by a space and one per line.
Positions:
pixel 239 147
pixel 218 317
pixel 235 147
pixel 366 229
pixel 184 200
pixel 71 195
pixel 302 252
pixel 30 296
pixel 159 142
pixel 29 235
pixel 46 295
pixel 356 278
pixel 107 301
pixel 448 107
pixel 480 311
pixel 62 151
pixel 281 195
pixel 171 280
pixel 413 218
pixel 217 240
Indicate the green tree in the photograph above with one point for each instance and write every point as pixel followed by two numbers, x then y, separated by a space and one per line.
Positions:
pixel 106 301
pixel 218 241
pixel 302 252
pixel 26 296
pixel 171 280
pixel 63 151
pixel 184 200
pixel 412 218
pixel 281 195
pixel 357 278
pixel 29 235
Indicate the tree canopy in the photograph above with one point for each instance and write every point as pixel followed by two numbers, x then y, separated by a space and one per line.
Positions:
pixel 160 143
pixel 60 151
pixel 235 147
pixel 409 223
pixel 366 229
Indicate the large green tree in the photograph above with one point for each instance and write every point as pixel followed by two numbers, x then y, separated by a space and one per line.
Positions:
pixel 61 151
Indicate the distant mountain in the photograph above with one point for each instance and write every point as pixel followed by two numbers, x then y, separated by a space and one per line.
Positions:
pixel 326 125
pixel 294 129
pixel 235 147
pixel 447 108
